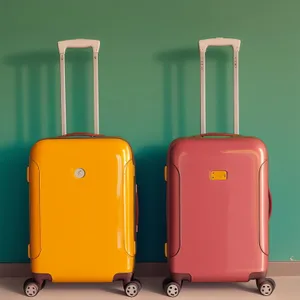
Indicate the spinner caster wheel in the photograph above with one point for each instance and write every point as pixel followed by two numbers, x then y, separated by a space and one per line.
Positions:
pixel 31 288
pixel 266 286
pixel 132 288
pixel 172 289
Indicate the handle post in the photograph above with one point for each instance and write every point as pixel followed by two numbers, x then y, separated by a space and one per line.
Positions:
pixel 202 93
pixel 236 92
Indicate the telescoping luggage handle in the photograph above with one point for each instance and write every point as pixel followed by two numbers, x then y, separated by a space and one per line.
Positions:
pixel 62 47
pixel 203 45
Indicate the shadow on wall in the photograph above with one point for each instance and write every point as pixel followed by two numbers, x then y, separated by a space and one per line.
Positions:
pixel 151 160
pixel 178 59
pixel 37 92
pixel 151 237
pixel 37 109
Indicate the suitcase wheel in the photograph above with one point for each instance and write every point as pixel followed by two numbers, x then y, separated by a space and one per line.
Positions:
pixel 265 286
pixel 171 288
pixel 132 288
pixel 31 288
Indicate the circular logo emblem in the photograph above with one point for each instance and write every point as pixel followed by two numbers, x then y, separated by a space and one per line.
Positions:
pixel 79 173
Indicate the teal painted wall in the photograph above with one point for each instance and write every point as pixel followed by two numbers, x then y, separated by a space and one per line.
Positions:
pixel 149 92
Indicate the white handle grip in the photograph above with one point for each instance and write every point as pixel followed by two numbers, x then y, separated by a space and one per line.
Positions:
pixel 204 44
pixel 78 43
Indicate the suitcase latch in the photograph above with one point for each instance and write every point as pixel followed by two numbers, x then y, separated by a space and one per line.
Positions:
pixel 218 175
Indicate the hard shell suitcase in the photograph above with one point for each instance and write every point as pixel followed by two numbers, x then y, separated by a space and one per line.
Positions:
pixel 218 202
pixel 83 202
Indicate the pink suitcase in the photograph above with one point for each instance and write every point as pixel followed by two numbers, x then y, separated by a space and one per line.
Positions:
pixel 218 202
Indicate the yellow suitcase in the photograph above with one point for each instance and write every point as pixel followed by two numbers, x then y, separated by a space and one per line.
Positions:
pixel 83 204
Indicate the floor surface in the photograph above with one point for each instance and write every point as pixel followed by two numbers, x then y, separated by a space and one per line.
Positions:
pixel 287 288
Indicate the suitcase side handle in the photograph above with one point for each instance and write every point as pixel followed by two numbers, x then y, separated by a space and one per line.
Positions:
pixel 203 45
pixel 82 134
pixel 78 43
pixel 136 209
pixel 270 203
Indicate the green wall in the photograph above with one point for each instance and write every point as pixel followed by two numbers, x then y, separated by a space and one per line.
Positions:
pixel 149 93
